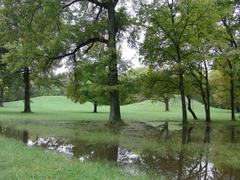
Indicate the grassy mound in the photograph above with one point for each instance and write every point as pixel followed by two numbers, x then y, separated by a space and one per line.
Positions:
pixel 61 108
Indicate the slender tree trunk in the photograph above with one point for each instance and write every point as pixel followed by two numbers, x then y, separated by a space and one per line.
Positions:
pixel 237 108
pixel 115 115
pixel 208 112
pixel 182 91
pixel 190 108
pixel 232 99
pixel 204 98
pixel 95 107
pixel 1 95
pixel 26 78
pixel 166 102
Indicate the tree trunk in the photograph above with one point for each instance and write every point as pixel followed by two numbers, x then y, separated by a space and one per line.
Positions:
pixel 115 115
pixel 238 108
pixel 26 78
pixel 166 102
pixel 204 98
pixel 95 107
pixel 232 99
pixel 182 91
pixel 190 108
pixel 1 95
pixel 208 112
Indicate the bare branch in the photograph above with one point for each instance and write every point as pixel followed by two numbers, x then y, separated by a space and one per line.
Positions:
pixel 85 43
pixel 103 5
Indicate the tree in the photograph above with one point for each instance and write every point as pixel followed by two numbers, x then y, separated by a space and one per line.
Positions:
pixel 24 35
pixel 228 51
pixel 3 74
pixel 100 22
pixel 88 83
pixel 159 86
pixel 168 33
pixel 192 90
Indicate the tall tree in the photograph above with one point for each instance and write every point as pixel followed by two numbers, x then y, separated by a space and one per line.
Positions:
pixel 24 34
pixel 228 48
pixel 168 32
pixel 98 22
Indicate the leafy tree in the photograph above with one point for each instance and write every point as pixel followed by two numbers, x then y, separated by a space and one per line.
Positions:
pixel 88 83
pixel 169 30
pixel 90 22
pixel 159 86
pixel 24 34
pixel 228 47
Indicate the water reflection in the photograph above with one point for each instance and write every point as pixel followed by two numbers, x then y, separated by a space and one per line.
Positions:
pixel 178 164
pixel 207 133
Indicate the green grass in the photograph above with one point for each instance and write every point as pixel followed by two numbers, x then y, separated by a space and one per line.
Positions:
pixel 21 162
pixel 61 108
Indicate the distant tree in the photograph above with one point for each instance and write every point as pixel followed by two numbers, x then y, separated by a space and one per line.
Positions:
pixel 87 85
pixel 159 86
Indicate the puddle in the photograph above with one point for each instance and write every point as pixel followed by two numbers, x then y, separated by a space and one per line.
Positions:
pixel 180 165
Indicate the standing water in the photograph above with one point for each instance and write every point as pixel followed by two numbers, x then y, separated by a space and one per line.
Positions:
pixel 187 161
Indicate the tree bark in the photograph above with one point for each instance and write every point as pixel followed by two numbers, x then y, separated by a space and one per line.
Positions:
pixel 190 108
pixel 1 95
pixel 95 107
pixel 115 115
pixel 208 112
pixel 206 107
pixel 232 99
pixel 166 102
pixel 182 91
pixel 26 78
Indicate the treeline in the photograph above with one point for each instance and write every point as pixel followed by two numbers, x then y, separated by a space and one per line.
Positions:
pixel 190 47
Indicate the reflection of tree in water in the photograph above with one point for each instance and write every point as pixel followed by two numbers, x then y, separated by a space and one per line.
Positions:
pixel 233 134
pixel 86 151
pixel 13 133
pixel 207 133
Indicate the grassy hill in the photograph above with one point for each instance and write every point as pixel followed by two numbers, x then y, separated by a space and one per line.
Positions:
pixel 61 108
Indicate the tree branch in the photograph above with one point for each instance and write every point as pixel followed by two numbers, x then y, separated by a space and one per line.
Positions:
pixel 103 5
pixel 89 41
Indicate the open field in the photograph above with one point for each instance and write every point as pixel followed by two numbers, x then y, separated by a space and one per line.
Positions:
pixel 60 108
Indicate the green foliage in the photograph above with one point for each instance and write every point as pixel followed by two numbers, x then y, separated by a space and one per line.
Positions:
pixel 159 86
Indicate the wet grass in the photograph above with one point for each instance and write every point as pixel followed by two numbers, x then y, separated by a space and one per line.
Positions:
pixel 20 162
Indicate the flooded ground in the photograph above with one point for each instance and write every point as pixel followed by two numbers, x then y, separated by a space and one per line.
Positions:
pixel 189 148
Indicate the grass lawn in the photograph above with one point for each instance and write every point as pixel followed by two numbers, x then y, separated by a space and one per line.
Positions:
pixel 60 108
